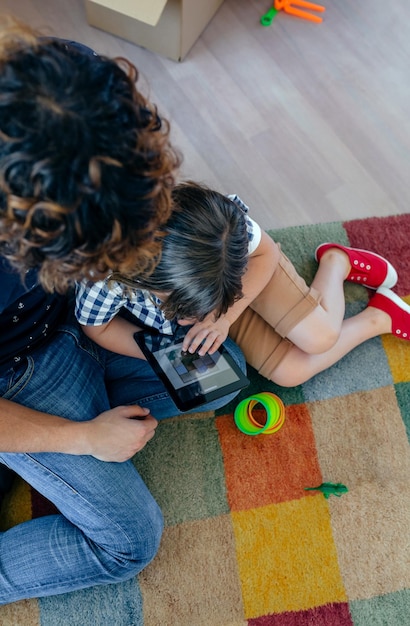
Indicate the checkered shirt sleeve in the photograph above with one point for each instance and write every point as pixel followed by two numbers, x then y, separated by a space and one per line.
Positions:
pixel 97 303
pixel 254 230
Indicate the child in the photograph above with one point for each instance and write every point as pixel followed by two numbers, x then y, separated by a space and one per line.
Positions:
pixel 204 256
pixel 224 283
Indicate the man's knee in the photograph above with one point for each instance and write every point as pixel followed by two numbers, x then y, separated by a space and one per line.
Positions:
pixel 140 545
pixel 145 538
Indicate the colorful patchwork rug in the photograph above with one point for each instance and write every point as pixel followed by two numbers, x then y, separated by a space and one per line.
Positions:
pixel 244 542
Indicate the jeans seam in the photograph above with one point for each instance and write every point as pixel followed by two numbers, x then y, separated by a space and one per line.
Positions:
pixel 158 396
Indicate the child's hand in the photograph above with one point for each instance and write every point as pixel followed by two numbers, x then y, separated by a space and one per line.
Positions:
pixel 210 333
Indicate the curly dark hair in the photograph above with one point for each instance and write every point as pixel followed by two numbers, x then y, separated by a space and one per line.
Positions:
pixel 86 165
pixel 204 255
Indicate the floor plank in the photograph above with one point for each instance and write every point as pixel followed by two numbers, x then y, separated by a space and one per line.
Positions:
pixel 306 122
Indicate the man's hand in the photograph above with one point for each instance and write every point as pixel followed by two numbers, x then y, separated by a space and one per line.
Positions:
pixel 118 434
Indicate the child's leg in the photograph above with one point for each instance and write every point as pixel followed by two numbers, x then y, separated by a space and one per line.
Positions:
pixel 287 312
pixel 298 366
pixel 287 365
pixel 310 317
pixel 320 330
pixel 261 330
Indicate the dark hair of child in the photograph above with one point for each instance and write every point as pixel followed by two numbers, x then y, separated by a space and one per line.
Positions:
pixel 204 255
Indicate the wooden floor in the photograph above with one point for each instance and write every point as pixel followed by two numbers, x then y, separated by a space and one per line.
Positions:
pixel 306 122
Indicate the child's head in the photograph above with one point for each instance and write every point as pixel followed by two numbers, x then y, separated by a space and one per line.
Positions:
pixel 204 254
pixel 86 167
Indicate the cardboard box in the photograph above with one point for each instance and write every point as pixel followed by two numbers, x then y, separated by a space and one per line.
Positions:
pixel 169 27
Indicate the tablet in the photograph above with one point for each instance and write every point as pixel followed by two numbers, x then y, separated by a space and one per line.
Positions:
pixel 191 380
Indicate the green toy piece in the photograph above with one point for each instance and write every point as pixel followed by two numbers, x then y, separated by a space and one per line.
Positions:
pixel 266 20
pixel 330 489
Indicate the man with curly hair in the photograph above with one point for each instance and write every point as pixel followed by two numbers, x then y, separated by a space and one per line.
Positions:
pixel 86 172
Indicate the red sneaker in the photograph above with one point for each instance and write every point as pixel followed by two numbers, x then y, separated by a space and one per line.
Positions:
pixel 367 268
pixel 399 312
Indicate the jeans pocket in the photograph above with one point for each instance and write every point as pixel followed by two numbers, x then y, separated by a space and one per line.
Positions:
pixel 16 378
pixel 84 343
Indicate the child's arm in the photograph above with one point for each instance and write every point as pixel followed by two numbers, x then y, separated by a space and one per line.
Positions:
pixel 261 267
pixel 97 310
pixel 116 335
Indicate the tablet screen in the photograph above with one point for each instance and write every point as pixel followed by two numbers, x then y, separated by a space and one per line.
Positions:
pixel 191 379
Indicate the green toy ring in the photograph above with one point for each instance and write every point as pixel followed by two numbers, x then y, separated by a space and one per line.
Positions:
pixel 275 414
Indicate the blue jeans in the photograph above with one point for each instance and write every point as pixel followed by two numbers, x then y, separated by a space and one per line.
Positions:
pixel 109 526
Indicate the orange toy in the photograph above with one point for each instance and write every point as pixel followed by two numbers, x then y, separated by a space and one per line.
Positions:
pixel 287 6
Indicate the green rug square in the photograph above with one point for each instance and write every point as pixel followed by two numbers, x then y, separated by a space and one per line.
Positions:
pixel 117 605
pixel 389 610
pixel 300 242
pixel 403 400
pixel 182 467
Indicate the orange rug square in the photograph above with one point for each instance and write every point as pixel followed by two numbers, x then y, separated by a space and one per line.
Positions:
pixel 265 469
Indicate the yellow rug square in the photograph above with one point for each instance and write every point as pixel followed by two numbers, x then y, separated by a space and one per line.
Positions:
pixel 398 355
pixel 287 557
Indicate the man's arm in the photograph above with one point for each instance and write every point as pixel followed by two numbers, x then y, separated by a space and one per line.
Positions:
pixel 111 436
